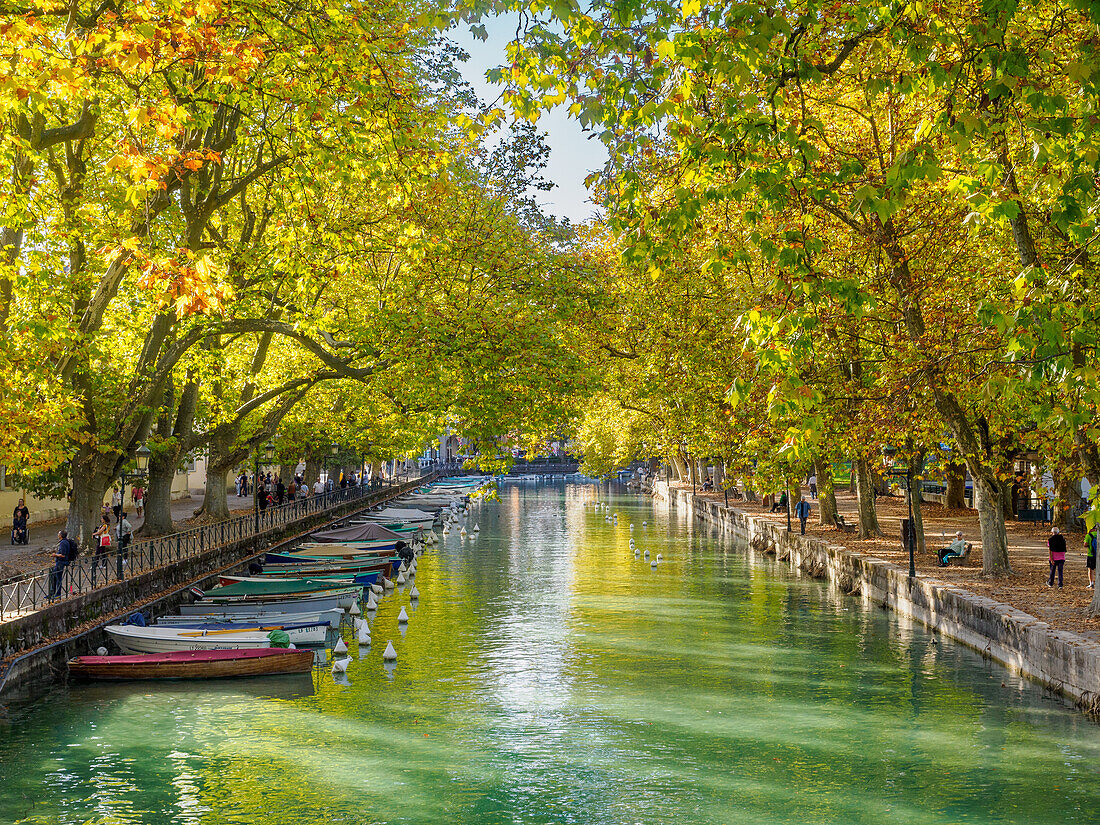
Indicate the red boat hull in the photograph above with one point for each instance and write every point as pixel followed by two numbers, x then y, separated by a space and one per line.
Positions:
pixel 193 664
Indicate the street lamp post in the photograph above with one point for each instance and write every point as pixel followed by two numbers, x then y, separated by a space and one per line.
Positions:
pixel 268 455
pixel 907 474
pixel 141 459
pixel 334 448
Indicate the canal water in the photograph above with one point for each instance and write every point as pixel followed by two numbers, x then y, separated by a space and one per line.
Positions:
pixel 548 676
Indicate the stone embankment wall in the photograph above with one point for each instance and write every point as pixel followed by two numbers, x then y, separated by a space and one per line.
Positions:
pixel 1061 661
pixel 74 627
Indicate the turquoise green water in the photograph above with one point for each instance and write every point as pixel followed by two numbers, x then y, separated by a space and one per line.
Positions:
pixel 547 676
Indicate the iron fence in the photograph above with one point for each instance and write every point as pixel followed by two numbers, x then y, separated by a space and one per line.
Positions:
pixel 29 592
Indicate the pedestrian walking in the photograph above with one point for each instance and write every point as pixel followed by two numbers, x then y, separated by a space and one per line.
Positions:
pixel 63 557
pixel 280 490
pixel 1056 544
pixel 116 504
pixel 1090 554
pixel 137 493
pixel 813 485
pixel 125 536
pixel 802 510
pixel 102 538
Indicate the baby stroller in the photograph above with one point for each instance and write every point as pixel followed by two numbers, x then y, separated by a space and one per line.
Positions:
pixel 19 531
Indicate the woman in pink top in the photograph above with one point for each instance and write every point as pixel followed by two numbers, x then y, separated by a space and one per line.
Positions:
pixel 1057 546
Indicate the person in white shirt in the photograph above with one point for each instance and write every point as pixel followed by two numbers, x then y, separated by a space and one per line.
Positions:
pixel 318 487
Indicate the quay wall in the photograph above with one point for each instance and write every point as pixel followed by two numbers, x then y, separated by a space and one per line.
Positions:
pixel 1061 661
pixel 74 627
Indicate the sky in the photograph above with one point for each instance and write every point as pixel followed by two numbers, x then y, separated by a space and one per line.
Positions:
pixel 572 154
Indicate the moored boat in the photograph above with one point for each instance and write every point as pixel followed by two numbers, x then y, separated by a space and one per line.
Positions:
pixel 166 639
pixel 347 578
pixel 260 608
pixel 331 618
pixel 275 588
pixel 300 633
pixel 193 664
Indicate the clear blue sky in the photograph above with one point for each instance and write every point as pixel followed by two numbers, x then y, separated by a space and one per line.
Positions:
pixel 572 154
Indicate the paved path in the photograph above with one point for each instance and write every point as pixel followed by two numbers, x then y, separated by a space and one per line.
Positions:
pixel 43 535
pixel 1025 589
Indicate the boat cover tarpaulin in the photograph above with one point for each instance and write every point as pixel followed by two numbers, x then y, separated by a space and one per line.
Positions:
pixel 397 514
pixel 359 532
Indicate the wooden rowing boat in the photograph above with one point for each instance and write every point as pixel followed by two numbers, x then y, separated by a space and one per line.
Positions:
pixel 363 579
pixel 193 664
pixel 259 607
pixel 167 639
pixel 331 618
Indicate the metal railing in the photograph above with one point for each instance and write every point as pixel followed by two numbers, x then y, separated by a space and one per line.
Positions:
pixel 30 592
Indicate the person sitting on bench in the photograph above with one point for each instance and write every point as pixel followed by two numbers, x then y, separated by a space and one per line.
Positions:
pixel 956 550
pixel 780 505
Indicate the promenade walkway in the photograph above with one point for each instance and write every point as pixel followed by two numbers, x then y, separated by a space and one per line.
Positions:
pixel 1027 549
pixel 37 553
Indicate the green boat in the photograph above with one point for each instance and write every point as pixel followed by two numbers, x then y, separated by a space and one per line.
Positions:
pixel 271 587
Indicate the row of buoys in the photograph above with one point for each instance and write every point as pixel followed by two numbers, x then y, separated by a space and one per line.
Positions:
pixel 405 575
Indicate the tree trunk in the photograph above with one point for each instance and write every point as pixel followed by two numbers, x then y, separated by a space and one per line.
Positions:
pixel 312 472
pixel 917 499
pixel 826 496
pixel 1065 494
pixel 158 495
pixel 701 471
pixel 91 478
pixel 215 506
pixel 865 493
pixel 286 472
pixel 991 519
pixel 677 462
pixel 956 486
pixel 719 473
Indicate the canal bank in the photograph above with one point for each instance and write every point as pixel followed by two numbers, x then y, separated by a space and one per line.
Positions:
pixel 51 636
pixel 1061 661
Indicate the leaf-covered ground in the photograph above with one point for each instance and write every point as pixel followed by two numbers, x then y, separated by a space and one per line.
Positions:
pixel 1025 589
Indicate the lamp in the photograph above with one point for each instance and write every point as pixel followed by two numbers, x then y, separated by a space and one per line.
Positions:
pixel 142 457
pixel 269 452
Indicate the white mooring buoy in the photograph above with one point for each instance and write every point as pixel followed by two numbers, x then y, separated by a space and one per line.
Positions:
pixel 637 552
pixel 401 577
pixel 386 584
pixel 653 563
pixel 658 557
pixel 340 665
pixel 376 589
pixel 390 655
pixel 646 554
pixel 644 523
pixel 371 603
pixel 354 611
pixel 477 528
pixel 340 646
pixel 402 617
pixel 414 594
pixel 101 651
pixel 364 635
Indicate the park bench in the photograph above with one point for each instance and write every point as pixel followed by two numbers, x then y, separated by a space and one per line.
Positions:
pixel 842 525
pixel 956 557
pixel 1040 515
